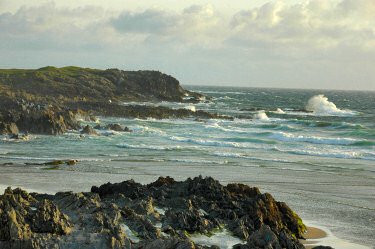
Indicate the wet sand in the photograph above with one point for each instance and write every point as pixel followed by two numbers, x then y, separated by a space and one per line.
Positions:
pixel 313 236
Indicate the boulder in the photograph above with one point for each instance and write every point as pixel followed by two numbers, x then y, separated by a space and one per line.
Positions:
pixel 89 131
pixel 114 127
pixel 126 129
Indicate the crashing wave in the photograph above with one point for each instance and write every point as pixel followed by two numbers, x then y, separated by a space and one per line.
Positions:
pixel 320 105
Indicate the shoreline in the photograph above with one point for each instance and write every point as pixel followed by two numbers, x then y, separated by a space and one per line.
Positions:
pixel 315 236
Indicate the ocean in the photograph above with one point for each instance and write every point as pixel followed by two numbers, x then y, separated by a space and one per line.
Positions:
pixel 313 149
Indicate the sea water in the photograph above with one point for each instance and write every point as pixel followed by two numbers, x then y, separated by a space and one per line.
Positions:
pixel 313 149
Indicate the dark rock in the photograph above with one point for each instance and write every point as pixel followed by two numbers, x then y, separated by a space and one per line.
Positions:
pixel 89 130
pixel 101 218
pixel 49 219
pixel 114 127
pixel 126 129
pixel 322 247
pixel 8 128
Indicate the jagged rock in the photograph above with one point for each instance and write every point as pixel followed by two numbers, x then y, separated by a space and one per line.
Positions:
pixel 49 219
pixel 101 218
pixel 89 131
pixel 126 129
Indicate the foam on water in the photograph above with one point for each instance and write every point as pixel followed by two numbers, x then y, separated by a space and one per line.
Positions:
pixel 148 147
pixel 206 142
pixel 222 239
pixel 288 137
pixel 261 115
pixel 320 105
pixel 190 107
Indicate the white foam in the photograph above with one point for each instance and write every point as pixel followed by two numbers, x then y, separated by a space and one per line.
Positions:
pixel 160 210
pixel 329 153
pixel 147 147
pixel 197 161
pixel 235 155
pixel 222 239
pixel 279 111
pixel 261 115
pixel 320 105
pixel 287 137
pixel 214 143
pixel 130 234
pixel 190 107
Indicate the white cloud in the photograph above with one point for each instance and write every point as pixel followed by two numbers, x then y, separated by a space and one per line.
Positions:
pixel 314 41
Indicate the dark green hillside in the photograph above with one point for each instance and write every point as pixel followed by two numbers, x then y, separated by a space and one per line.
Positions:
pixel 74 83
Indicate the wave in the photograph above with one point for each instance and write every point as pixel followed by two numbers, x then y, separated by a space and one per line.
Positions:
pixel 237 155
pixel 332 154
pixel 214 143
pixel 197 161
pixel 149 147
pixel 261 115
pixel 320 105
pixel 287 137
pixel 190 107
pixel 278 111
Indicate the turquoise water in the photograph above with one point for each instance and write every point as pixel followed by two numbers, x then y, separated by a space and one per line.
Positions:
pixel 321 162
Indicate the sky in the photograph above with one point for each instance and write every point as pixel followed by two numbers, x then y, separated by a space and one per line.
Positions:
pixel 321 44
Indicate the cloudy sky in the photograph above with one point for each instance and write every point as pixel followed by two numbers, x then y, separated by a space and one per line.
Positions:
pixel 325 44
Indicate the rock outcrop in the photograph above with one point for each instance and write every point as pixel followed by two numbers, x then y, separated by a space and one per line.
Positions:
pixel 89 131
pixel 162 214
pixel 48 100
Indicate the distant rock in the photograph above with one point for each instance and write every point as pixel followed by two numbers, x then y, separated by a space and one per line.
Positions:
pixel 127 129
pixel 114 127
pixel 89 131
pixel 8 128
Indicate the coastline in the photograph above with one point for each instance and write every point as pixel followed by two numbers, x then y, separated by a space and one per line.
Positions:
pixel 317 234
pixel 320 235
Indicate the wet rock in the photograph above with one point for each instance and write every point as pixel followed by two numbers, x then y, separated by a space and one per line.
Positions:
pixel 114 127
pixel 89 131
pixel 8 128
pixel 127 129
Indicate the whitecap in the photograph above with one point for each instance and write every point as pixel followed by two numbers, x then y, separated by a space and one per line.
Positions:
pixel 261 115
pixel 279 111
pixel 287 137
pixel 320 105
pixel 190 107
pixel 147 147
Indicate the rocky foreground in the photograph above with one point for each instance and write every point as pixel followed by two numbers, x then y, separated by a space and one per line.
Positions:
pixel 48 100
pixel 162 214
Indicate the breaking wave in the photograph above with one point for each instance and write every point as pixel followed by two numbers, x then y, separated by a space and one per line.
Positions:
pixel 287 137
pixel 320 105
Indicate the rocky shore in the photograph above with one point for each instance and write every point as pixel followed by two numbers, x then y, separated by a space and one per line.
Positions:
pixel 163 214
pixel 48 100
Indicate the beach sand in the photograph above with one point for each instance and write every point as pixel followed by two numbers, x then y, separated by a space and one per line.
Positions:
pixel 313 237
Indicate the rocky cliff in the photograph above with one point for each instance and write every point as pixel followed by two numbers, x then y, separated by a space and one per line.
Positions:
pixel 67 84
pixel 46 100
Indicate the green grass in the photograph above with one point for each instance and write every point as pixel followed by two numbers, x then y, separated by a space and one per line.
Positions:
pixel 71 70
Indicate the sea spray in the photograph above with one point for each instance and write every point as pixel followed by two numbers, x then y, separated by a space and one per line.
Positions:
pixel 190 107
pixel 320 105
pixel 261 115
